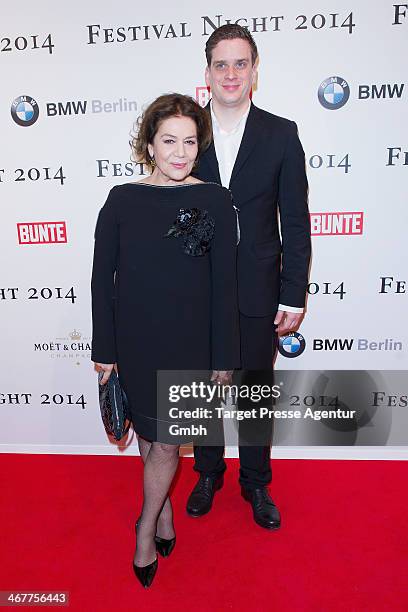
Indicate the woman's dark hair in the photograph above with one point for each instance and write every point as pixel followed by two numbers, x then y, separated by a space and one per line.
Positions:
pixel 230 31
pixel 164 107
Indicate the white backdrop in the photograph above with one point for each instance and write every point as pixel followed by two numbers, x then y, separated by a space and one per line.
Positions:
pixel 356 157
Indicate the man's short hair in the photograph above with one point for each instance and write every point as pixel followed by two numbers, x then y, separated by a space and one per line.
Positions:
pixel 230 31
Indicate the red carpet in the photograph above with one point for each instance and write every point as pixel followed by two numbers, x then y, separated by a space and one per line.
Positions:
pixel 67 525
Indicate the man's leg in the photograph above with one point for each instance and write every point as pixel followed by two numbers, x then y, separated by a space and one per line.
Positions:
pixel 209 462
pixel 258 344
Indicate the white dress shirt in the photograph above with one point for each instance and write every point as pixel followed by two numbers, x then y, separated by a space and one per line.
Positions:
pixel 226 148
pixel 227 145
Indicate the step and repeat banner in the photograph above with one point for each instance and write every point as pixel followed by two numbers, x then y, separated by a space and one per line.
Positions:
pixel 73 83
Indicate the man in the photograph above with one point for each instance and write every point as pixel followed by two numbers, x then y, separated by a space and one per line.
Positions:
pixel 259 157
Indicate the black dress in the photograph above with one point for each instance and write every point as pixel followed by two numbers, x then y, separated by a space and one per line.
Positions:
pixel 159 301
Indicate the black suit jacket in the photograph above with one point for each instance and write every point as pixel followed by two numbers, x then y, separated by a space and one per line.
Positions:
pixel 269 174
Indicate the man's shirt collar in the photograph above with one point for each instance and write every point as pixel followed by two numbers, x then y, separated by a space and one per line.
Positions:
pixel 236 128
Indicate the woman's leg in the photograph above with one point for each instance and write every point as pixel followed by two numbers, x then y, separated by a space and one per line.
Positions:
pixel 159 470
pixel 165 526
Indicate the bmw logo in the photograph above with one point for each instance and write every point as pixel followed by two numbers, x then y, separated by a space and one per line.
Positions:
pixel 292 345
pixel 333 93
pixel 24 110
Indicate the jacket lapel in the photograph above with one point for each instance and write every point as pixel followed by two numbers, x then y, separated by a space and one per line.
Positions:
pixel 252 134
pixel 250 137
pixel 210 157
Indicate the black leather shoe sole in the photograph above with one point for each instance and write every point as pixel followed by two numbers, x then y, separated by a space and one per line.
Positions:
pixel 197 512
pixel 262 523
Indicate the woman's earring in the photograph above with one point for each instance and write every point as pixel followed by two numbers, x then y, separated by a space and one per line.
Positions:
pixel 152 161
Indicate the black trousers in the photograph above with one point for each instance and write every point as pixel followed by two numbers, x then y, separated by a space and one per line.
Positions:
pixel 258 343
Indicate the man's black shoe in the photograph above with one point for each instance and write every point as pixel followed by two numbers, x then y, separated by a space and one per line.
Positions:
pixel 265 512
pixel 201 498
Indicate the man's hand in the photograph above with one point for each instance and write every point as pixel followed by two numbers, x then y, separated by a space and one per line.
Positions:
pixel 222 377
pixel 287 321
pixel 106 368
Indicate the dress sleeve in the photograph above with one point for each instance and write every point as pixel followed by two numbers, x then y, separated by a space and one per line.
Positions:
pixel 224 298
pixel 103 282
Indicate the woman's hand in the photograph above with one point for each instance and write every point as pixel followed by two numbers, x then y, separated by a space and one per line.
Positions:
pixel 222 377
pixel 106 368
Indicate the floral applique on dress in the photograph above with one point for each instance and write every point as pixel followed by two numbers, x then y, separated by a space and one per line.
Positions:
pixel 196 227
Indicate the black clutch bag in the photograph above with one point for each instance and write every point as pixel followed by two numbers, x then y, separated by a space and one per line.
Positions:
pixel 114 406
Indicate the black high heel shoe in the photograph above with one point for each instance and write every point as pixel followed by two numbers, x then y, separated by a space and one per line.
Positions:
pixel 163 546
pixel 146 573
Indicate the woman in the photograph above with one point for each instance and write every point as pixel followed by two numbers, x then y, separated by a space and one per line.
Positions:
pixel 164 293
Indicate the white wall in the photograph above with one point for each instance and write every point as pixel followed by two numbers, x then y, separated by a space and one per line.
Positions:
pixel 295 58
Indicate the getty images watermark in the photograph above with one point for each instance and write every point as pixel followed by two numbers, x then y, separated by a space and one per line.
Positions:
pixel 295 407
pixel 191 417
